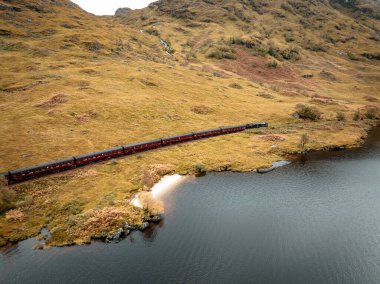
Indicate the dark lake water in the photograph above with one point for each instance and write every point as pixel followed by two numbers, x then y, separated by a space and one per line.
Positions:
pixel 309 222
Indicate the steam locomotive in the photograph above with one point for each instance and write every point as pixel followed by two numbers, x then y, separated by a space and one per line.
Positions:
pixel 33 172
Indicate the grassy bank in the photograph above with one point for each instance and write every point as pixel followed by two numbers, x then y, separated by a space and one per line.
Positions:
pixel 93 202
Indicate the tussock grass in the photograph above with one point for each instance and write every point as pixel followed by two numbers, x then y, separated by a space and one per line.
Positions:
pixel 307 112
pixel 7 199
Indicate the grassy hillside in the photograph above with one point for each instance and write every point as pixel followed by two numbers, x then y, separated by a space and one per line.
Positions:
pixel 74 83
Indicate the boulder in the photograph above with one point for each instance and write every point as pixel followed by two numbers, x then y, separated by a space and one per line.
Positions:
pixel 122 11
pixel 156 219
pixel 38 246
pixel 147 219
pixel 264 171
pixel 129 227
pixel 116 236
pixel 144 226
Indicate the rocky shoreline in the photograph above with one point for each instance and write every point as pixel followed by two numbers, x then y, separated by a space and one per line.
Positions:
pixel 127 229
pixel 120 234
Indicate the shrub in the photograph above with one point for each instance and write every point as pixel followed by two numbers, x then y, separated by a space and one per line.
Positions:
pixel 72 207
pixel 153 173
pixel 290 54
pixel 289 37
pixel 274 51
pixel 259 51
pixel 241 16
pixel 287 7
pixel 93 46
pixel 151 204
pixel 371 56
pixel 340 116
pixel 248 43
pixel 200 170
pixel 371 113
pixel 222 52
pixel 272 64
pixel 315 46
pixel 235 86
pixel 152 31
pixel 12 46
pixel 110 198
pixel 7 197
pixel 27 202
pixel 352 56
pixel 307 112
pixel 356 116
pixel 3 242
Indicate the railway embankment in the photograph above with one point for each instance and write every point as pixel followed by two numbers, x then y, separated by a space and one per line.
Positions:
pixel 49 168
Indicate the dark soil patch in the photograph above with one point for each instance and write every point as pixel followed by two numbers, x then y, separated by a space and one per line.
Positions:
pixel 370 99
pixel 202 109
pixel 256 69
pixel 88 71
pixel 24 88
pixel 235 86
pixel 327 76
pixel 323 101
pixel 265 96
pixel 53 101
pixel 86 117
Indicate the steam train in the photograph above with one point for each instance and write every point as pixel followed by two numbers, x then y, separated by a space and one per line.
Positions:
pixel 33 172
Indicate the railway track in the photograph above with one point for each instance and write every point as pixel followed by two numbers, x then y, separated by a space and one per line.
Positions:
pixel 33 172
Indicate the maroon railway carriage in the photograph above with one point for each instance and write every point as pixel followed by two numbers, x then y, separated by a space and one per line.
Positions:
pixel 98 156
pixel 232 129
pixel 65 164
pixel 142 146
pixel 40 170
pixel 207 133
pixel 177 139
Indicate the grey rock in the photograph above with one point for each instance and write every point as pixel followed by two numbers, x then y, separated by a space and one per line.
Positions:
pixel 129 227
pixel 334 148
pixel 264 171
pixel 116 236
pixel 156 219
pixel 122 11
pixel 38 246
pixel 144 226
pixel 119 233
pixel 147 219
